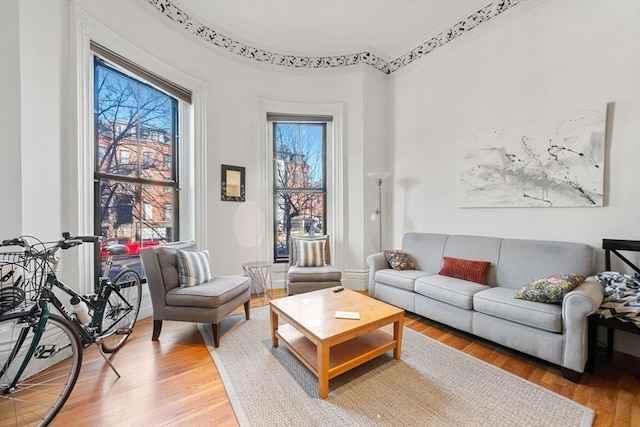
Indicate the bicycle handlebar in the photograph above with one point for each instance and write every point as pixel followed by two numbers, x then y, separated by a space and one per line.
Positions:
pixel 66 242
pixel 87 239
pixel 17 241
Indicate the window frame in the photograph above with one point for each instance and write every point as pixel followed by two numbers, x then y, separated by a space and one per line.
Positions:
pixel 335 176
pixel 323 122
pixel 78 190
pixel 143 159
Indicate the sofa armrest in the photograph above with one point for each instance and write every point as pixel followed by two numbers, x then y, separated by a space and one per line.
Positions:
pixel 375 262
pixel 576 308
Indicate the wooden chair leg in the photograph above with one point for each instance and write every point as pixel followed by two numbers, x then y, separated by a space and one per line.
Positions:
pixel 215 327
pixel 157 327
pixel 247 309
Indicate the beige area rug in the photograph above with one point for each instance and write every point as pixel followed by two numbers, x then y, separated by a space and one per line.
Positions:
pixel 432 385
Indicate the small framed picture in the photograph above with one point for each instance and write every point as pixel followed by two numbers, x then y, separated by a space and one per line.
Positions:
pixel 232 183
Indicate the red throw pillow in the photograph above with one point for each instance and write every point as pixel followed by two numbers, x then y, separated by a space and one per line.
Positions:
pixel 473 271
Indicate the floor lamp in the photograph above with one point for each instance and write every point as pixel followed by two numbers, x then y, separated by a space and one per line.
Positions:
pixel 379 177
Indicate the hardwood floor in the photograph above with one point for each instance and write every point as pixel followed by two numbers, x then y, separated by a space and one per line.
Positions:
pixel 174 382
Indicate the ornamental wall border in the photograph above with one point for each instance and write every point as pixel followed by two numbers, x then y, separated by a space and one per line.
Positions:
pixel 216 38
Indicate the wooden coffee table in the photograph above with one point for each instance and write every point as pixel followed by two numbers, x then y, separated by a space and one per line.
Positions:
pixel 330 346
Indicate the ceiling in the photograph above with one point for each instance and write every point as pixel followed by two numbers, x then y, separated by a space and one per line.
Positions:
pixel 388 28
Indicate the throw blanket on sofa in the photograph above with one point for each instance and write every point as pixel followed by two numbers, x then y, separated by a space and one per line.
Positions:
pixel 621 297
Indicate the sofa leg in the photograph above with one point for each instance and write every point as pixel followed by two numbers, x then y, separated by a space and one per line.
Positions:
pixel 247 310
pixel 215 327
pixel 571 375
pixel 157 327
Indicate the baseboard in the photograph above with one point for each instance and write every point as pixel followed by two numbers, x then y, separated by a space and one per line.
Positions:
pixel 358 280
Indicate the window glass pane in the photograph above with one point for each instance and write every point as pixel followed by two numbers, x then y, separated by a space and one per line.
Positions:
pixel 299 155
pixel 298 214
pixel 299 183
pixel 135 127
pixel 125 155
pixel 136 181
pixel 136 216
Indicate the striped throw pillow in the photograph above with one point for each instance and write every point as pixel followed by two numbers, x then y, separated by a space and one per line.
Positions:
pixel 310 253
pixel 193 268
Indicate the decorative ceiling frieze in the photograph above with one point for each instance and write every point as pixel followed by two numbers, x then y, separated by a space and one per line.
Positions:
pixel 190 24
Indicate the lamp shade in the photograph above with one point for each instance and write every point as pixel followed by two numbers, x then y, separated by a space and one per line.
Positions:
pixel 379 175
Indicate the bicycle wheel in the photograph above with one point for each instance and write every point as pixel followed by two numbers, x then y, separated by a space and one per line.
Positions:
pixel 121 311
pixel 50 374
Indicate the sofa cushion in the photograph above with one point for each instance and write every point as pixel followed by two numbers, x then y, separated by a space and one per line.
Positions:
pixel 447 289
pixel 328 273
pixel 476 248
pixel 550 289
pixel 426 249
pixel 500 302
pixel 465 269
pixel 399 259
pixel 193 268
pixel 404 279
pixel 523 261
pixel 211 294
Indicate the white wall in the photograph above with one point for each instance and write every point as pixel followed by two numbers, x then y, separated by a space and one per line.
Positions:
pixel 10 137
pixel 43 83
pixel 234 87
pixel 539 59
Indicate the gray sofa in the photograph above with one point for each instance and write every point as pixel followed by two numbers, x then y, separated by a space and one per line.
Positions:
pixel 557 333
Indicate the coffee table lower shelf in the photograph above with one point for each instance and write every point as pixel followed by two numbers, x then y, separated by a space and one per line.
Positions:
pixel 342 357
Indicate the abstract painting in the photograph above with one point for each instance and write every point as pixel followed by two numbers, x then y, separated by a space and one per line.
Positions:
pixel 555 161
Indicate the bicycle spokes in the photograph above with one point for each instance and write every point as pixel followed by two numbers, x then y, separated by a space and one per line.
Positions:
pixel 121 310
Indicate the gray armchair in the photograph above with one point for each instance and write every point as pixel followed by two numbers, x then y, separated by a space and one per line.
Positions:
pixel 301 278
pixel 209 302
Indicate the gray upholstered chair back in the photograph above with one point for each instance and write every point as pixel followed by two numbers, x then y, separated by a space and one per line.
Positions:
pixel 161 271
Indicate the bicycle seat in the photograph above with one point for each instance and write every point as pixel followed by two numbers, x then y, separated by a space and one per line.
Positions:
pixel 117 249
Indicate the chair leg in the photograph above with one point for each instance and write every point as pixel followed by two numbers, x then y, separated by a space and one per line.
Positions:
pixel 157 327
pixel 247 309
pixel 215 327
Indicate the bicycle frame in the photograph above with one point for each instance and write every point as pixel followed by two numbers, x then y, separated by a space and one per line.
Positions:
pixel 37 334
pixel 97 303
pixel 41 311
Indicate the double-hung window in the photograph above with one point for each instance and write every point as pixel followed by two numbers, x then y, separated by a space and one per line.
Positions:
pixel 299 179
pixel 136 177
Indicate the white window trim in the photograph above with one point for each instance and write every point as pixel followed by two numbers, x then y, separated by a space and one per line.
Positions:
pixel 334 171
pixel 193 170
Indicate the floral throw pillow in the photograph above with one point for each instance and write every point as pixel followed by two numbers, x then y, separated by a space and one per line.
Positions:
pixel 550 289
pixel 399 260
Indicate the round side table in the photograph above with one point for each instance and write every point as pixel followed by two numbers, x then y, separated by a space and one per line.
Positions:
pixel 260 274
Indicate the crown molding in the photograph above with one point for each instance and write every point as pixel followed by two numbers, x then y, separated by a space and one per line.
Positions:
pixel 219 40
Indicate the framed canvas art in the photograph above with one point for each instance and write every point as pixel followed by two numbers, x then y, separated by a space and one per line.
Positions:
pixel 555 161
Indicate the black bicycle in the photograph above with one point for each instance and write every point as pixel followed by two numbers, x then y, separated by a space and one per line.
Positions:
pixel 41 351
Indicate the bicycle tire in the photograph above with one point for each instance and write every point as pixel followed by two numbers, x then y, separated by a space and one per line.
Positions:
pixel 50 374
pixel 121 311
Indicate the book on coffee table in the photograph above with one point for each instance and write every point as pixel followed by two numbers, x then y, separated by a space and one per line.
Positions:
pixel 348 315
